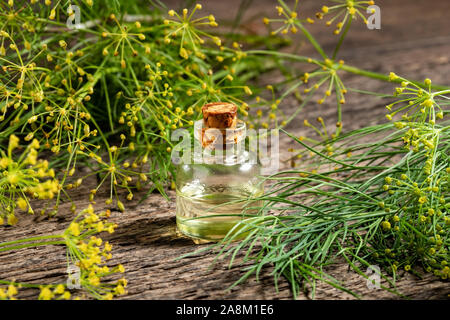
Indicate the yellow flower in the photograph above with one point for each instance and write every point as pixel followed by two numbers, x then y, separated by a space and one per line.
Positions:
pixel 100 226
pixel 120 289
pixel 393 76
pixel 107 247
pixel 22 204
pixel 12 220
pixel 183 53
pixel 120 205
pixel 13 142
pixel 95 281
pixel 386 225
pixel 280 10
pixel 12 290
pixel 108 296
pixel 110 228
pixel 74 229
pixel 46 294
pixel 59 289
pixel 123 282
pixel 4 162
pixel 13 178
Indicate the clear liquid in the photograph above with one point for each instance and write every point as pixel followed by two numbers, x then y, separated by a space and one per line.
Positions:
pixel 204 211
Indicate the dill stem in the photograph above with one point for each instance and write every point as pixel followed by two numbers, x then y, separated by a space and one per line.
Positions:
pixel 54 236
pixel 30 245
pixel 347 68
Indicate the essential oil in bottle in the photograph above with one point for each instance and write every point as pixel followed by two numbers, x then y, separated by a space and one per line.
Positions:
pixel 216 185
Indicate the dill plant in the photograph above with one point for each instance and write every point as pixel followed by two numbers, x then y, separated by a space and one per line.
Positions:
pixel 373 196
pixel 85 250
pixel 382 202
pixel 106 95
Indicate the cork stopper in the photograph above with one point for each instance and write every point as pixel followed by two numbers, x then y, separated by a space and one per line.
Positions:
pixel 219 115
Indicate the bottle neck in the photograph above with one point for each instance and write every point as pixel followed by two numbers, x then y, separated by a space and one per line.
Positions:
pixel 220 146
pixel 229 154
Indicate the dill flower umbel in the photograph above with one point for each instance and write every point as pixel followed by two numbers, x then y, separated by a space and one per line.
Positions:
pixel 24 178
pixel 327 73
pixel 86 251
pixel 415 197
pixel 119 175
pixel 186 27
pixel 90 253
pixel 123 37
pixel 8 293
pixel 59 292
pixel 268 113
pixel 288 18
pixel 416 104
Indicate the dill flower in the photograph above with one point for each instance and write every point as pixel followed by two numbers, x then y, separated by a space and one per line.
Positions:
pixel 90 253
pixel 8 293
pixel 386 225
pixel 119 176
pixel 415 103
pixel 186 27
pixel 288 19
pixel 327 76
pixel 344 11
pixel 122 38
pixel 24 178
pixel 273 115
pixel 59 292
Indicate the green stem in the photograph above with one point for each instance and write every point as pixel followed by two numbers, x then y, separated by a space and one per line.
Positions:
pixel 280 54
pixel 383 77
pixel 313 41
pixel 28 245
pixel 347 68
pixel 24 285
pixel 341 39
pixel 108 105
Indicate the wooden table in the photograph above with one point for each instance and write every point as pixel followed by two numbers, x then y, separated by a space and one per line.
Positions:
pixel 414 41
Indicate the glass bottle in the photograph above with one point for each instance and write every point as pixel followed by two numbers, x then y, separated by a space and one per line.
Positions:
pixel 215 188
